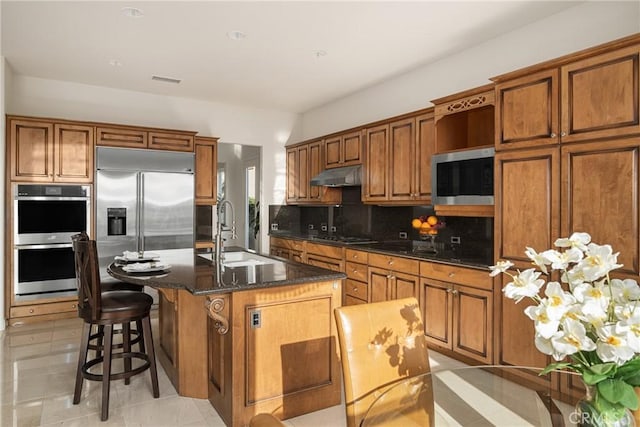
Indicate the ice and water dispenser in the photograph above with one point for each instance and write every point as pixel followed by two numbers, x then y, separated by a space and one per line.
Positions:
pixel 116 221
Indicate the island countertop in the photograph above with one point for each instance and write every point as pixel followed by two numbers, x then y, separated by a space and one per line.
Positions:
pixel 201 276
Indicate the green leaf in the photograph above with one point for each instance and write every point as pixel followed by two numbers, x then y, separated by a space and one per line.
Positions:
pixel 603 368
pixel 618 391
pixel 591 378
pixel 632 379
pixel 555 366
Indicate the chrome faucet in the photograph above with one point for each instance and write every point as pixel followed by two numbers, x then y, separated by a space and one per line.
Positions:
pixel 219 243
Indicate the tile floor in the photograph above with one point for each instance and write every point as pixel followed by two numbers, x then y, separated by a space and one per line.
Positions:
pixel 37 371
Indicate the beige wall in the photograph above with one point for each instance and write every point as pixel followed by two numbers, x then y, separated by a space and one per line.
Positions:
pixel 585 25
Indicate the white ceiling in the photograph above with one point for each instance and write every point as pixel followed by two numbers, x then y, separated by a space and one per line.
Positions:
pixel 274 67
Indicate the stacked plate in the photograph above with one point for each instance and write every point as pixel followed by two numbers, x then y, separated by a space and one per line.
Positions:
pixel 141 262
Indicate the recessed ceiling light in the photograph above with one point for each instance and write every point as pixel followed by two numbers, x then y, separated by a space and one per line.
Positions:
pixel 236 35
pixel 115 63
pixel 166 79
pixel 320 53
pixel 132 12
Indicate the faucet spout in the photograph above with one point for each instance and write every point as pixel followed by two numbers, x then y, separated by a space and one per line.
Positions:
pixel 219 243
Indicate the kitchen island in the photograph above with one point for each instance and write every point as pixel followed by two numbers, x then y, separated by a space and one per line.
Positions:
pixel 253 334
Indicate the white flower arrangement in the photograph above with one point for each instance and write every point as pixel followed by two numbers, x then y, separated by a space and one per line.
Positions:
pixel 589 317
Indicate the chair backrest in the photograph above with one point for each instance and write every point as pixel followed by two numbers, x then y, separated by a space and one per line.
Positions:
pixel 381 343
pixel 87 276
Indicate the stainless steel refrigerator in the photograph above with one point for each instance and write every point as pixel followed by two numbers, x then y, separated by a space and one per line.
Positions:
pixel 144 201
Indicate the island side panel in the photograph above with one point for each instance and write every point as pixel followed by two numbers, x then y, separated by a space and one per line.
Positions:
pixel 288 365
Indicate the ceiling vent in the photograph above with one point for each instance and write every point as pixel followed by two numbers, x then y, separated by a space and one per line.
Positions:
pixel 166 79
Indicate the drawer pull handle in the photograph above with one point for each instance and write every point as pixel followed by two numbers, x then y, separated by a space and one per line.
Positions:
pixel 31 310
pixel 452 274
pixel 455 292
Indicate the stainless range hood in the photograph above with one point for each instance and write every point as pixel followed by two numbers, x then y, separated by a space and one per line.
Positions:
pixel 339 177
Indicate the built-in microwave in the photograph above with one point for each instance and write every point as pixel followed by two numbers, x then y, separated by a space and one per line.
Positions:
pixel 463 177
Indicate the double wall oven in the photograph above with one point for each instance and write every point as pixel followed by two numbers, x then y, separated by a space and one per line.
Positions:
pixel 45 217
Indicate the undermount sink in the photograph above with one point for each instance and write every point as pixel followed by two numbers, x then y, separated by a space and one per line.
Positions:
pixel 243 259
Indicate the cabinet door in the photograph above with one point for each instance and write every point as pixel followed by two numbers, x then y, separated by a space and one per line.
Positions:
pixel 292 175
pixel 401 156
pixel 352 148
pixel 379 288
pixel 374 184
pixel 527 202
pixel 206 166
pixel 31 150
pixel 73 150
pixel 121 137
pixel 171 141
pixel 600 196
pixel 405 286
pixel 333 151
pixel 302 171
pixel 527 111
pixel 473 323
pixel 315 167
pixel 600 96
pixel 168 331
pixel 437 312
pixel 424 147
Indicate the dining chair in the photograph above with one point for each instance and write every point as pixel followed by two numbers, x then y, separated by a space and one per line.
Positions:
pixel 265 420
pixel 107 309
pixel 382 343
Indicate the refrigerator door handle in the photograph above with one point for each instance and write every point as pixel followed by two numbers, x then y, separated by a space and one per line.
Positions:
pixel 140 212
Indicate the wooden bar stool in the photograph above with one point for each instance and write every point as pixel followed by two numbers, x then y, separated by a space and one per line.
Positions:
pixel 107 309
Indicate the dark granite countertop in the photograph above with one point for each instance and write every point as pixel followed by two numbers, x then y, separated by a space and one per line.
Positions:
pixel 404 248
pixel 200 275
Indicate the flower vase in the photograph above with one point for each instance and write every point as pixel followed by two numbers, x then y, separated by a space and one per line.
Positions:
pixel 589 414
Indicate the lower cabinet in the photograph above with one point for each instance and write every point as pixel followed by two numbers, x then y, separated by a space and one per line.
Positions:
pixel 458 311
pixel 392 277
pixel 325 256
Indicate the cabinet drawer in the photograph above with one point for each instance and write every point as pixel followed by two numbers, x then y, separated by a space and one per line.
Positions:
pixel 325 250
pixel 171 141
pixel 325 262
pixel 297 245
pixel 356 271
pixel 277 241
pixel 349 300
pixel 356 289
pixel 464 276
pixel 356 256
pixel 405 265
pixel 41 309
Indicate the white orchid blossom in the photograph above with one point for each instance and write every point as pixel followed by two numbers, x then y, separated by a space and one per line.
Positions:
pixel 625 290
pixel 544 324
pixel 599 260
pixel 611 346
pixel 525 284
pixel 500 267
pixel 571 339
pixel 561 260
pixel 538 259
pixel 576 240
pixel 630 328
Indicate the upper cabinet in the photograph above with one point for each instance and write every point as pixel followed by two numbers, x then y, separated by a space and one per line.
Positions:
pixel 136 137
pixel 206 158
pixel 586 96
pixel 344 149
pixel 49 151
pixel 304 161
pixel 398 161
pixel 465 120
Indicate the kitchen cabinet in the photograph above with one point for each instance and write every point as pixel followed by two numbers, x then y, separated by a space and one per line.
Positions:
pixel 325 256
pixel 589 95
pixel 304 161
pixel 356 286
pixel 601 195
pixel 140 137
pixel 288 248
pixel 465 120
pixel 344 149
pixel 398 161
pixel 49 151
pixel 392 277
pixel 457 305
pixel 206 165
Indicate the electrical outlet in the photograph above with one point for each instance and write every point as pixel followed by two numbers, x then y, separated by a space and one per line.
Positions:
pixel 402 235
pixel 323 227
pixel 310 227
pixel 333 229
pixel 274 226
pixel 455 240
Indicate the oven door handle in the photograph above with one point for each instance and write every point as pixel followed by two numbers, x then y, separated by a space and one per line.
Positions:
pixel 45 246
